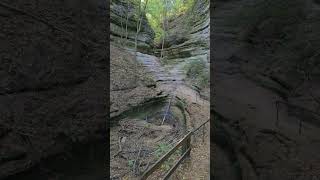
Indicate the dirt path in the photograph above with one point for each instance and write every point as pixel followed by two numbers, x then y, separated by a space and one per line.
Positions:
pixel 198 166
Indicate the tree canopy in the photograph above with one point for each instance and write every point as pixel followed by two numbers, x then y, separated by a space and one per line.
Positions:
pixel 159 11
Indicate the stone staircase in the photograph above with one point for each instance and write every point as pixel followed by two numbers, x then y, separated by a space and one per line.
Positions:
pixel 160 73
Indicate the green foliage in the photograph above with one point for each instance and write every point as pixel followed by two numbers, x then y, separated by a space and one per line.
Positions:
pixel 161 150
pixel 147 125
pixel 159 11
pixel 203 80
pixel 178 7
pixel 195 68
pixel 131 163
pixel 181 103
pixel 198 72
pixel 156 25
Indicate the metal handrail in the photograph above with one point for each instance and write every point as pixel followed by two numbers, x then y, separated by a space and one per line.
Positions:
pixel 185 142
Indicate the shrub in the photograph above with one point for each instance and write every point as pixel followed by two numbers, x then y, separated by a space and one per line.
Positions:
pixel 198 72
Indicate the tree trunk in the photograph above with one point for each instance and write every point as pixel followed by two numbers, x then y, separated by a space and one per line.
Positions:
pixel 162 46
pixel 139 26
pixel 137 32
pixel 164 29
pixel 121 22
pixel 127 18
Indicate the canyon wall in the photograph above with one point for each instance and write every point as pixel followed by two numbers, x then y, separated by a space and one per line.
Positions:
pixel 266 89
pixel 123 23
pixel 52 80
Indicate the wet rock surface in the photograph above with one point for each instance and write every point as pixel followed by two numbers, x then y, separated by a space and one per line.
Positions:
pixel 53 74
pixel 266 111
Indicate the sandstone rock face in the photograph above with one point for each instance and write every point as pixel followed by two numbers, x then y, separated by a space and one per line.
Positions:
pixel 188 34
pixel 52 79
pixel 186 45
pixel 266 89
pixel 130 84
pixel 123 22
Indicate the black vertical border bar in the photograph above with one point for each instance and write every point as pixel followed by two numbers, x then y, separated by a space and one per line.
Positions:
pixel 211 89
pixel 107 91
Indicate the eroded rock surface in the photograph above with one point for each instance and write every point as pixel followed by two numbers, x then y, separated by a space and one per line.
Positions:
pixel 261 56
pixel 53 74
pixel 123 24
pixel 131 85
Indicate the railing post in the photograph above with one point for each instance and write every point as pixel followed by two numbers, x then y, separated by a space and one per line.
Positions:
pixel 184 142
pixel 203 133
pixel 184 148
pixel 186 145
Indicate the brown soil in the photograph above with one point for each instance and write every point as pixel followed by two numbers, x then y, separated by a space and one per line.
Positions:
pixel 198 165
pixel 134 145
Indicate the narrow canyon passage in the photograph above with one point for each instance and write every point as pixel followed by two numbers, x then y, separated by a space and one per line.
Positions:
pixel 163 94
pixel 170 80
